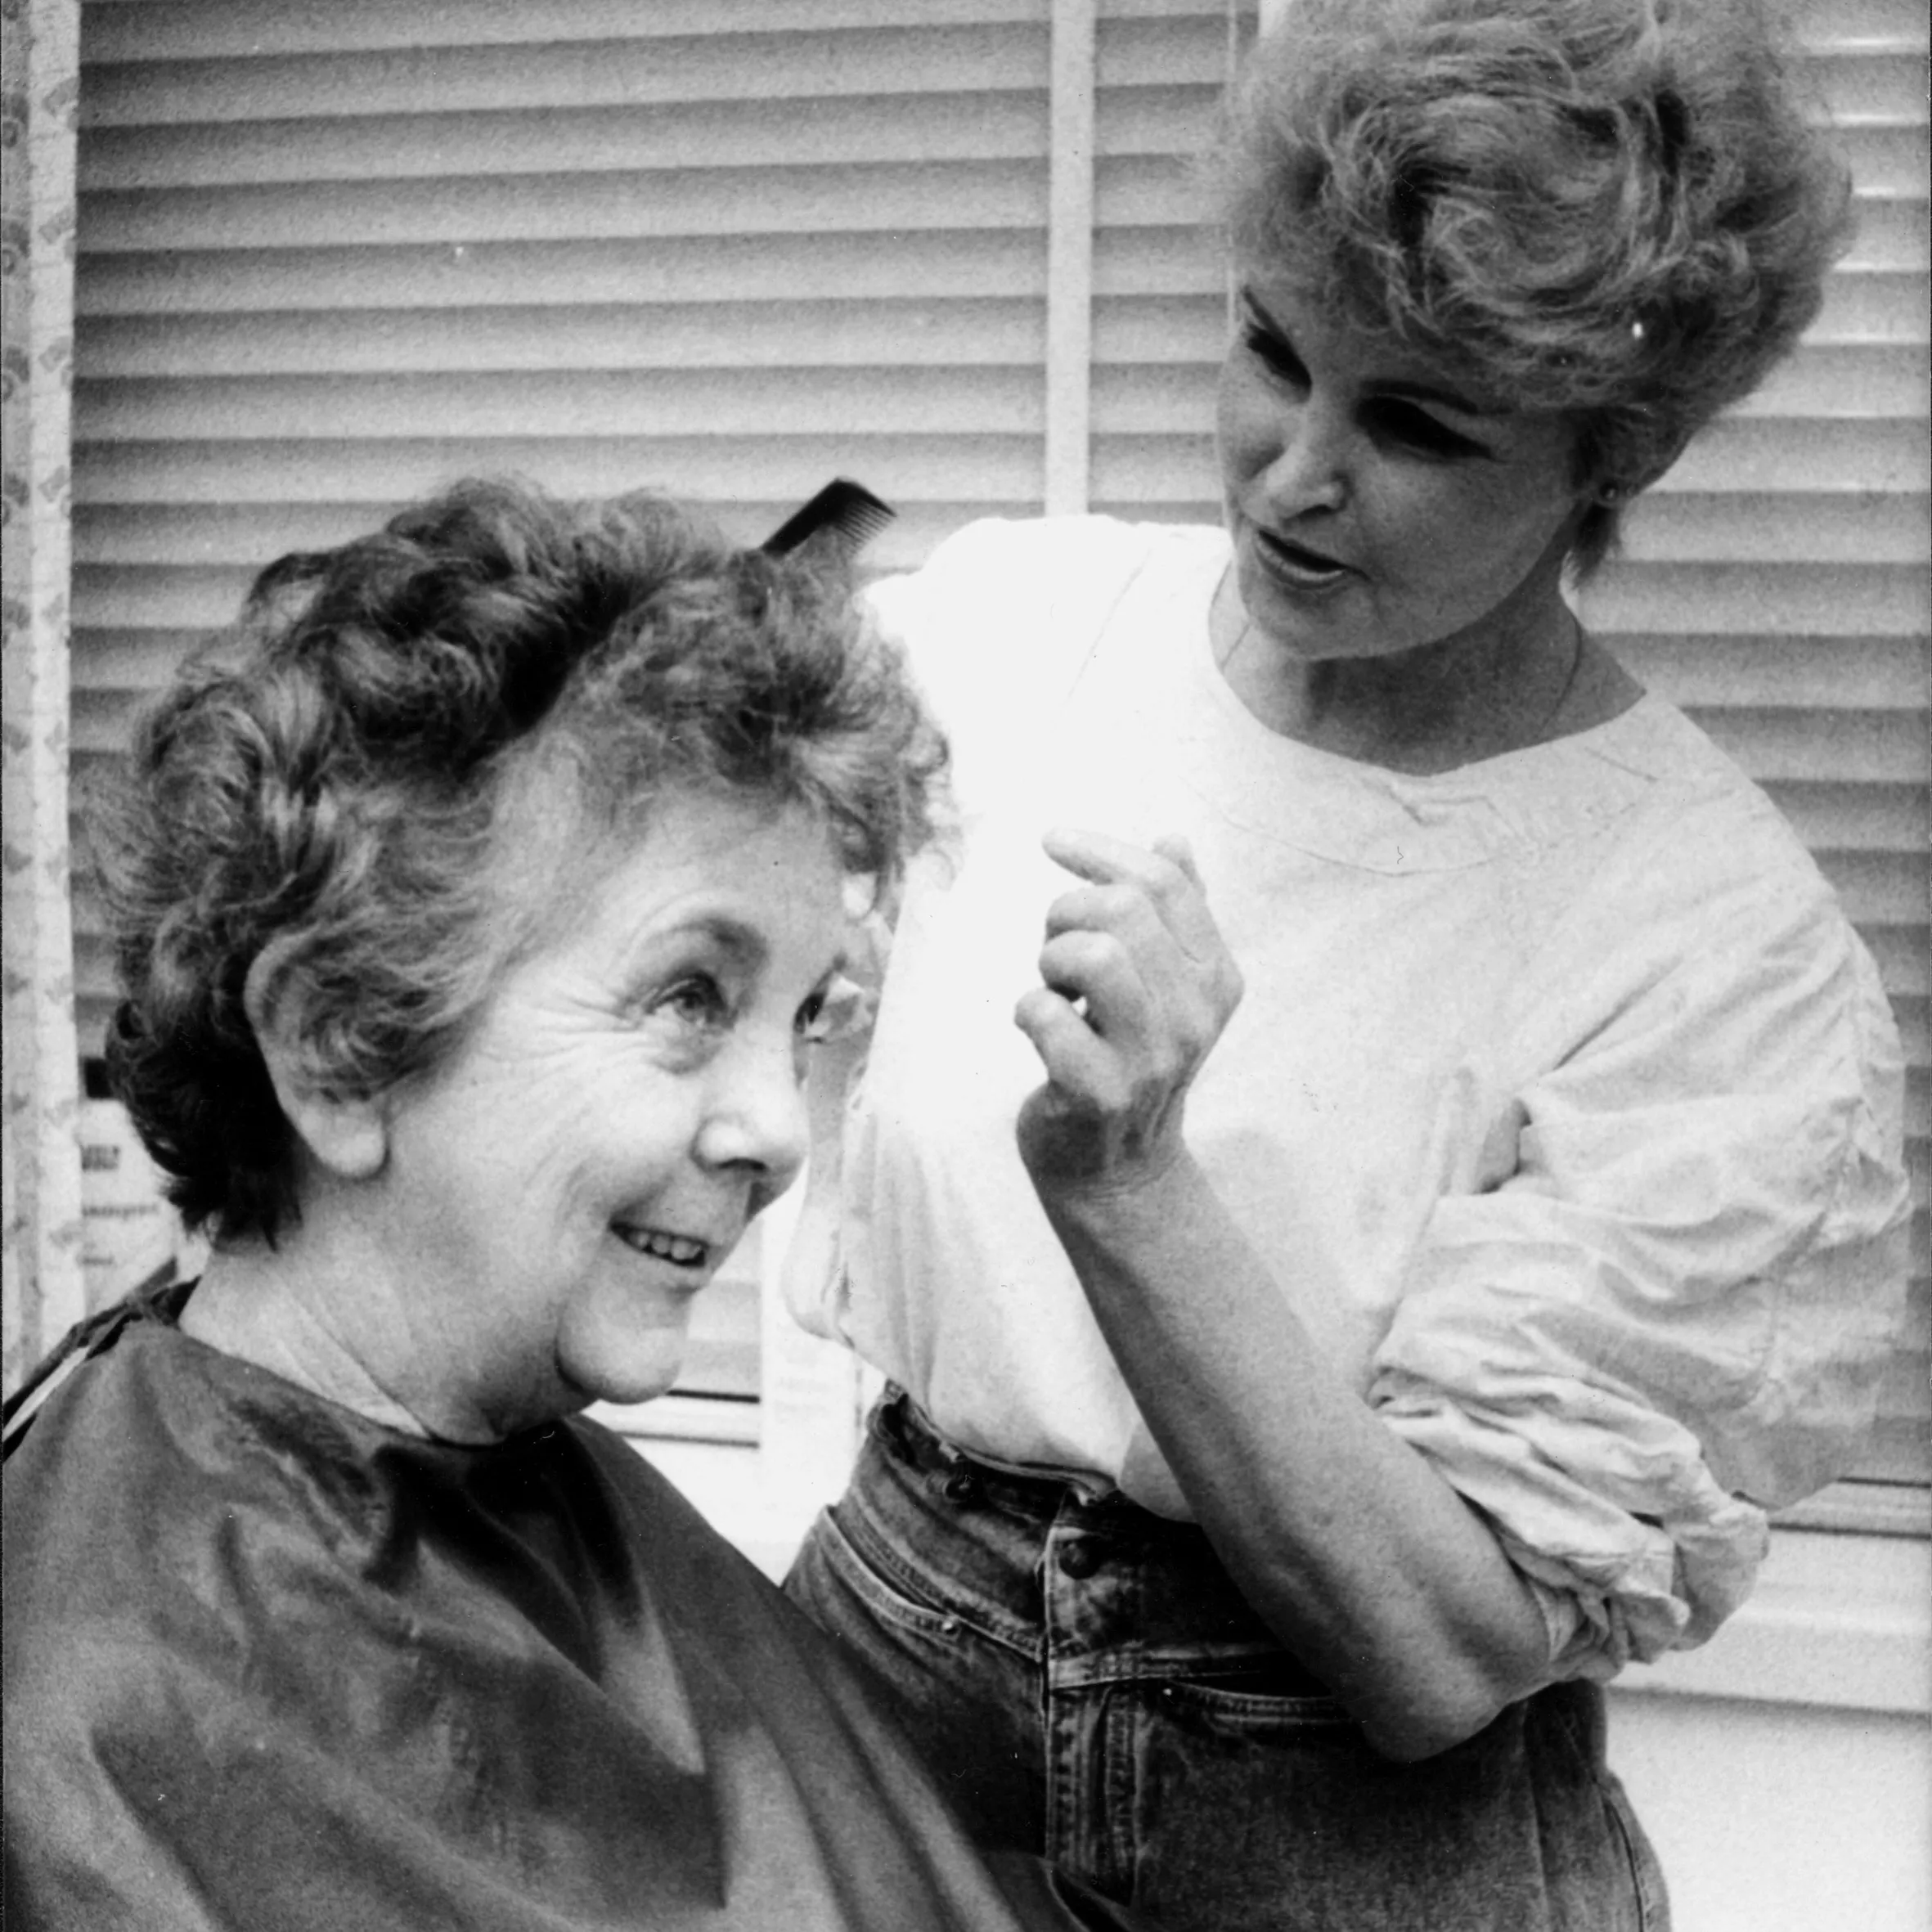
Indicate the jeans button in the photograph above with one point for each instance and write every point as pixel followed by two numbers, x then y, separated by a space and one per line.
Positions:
pixel 1079 1559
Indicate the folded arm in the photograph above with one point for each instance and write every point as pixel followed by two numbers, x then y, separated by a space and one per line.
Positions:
pixel 1357 1554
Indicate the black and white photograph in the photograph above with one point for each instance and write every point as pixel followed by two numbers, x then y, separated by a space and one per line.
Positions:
pixel 967 966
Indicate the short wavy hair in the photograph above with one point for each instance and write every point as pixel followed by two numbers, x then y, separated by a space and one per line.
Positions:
pixel 1615 211
pixel 344 790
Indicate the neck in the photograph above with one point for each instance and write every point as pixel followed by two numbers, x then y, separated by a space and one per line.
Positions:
pixel 282 1308
pixel 1513 682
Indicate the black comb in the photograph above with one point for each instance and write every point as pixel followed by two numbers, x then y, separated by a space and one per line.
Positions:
pixel 845 510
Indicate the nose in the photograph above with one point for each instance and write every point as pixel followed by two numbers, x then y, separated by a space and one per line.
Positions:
pixel 756 1116
pixel 1308 470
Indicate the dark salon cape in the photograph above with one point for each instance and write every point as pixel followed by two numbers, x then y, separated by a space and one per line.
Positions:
pixel 269 1665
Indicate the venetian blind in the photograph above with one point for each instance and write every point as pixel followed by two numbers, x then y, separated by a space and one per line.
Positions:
pixel 333 256
pixel 1159 313
pixel 1775 584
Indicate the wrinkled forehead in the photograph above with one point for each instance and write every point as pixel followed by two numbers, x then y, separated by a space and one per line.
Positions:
pixel 558 836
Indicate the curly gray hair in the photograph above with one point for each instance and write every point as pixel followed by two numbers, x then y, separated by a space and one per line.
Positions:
pixel 325 799
pixel 1612 209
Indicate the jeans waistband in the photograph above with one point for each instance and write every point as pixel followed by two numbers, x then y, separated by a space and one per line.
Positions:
pixel 911 1435
pixel 992 1545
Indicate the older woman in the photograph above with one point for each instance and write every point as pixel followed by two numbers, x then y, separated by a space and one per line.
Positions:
pixel 1446 1185
pixel 476 918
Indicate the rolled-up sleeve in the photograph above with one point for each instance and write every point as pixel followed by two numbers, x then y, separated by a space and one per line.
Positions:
pixel 1672 1316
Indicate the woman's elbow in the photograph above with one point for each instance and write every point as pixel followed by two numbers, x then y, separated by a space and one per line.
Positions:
pixel 1409 1735
pixel 1452 1708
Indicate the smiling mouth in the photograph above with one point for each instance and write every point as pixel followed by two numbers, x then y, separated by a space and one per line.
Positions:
pixel 680 1250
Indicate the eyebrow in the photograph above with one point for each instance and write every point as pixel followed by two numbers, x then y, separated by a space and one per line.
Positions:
pixel 745 945
pixel 1410 391
pixel 742 942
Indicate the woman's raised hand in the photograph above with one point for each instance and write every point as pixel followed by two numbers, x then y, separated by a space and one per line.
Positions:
pixel 1138 987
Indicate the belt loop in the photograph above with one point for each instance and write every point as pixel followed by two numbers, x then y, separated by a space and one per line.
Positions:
pixel 907 1432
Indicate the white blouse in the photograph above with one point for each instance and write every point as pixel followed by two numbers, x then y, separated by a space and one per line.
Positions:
pixel 1566 1066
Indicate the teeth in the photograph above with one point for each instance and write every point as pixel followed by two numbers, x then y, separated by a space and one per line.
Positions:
pixel 663 1248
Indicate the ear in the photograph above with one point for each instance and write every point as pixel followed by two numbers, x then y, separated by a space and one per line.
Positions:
pixel 346 1134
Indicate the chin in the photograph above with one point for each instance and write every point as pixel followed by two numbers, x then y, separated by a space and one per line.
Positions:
pixel 615 1351
pixel 629 1382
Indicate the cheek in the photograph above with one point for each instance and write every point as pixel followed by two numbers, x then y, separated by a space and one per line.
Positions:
pixel 1240 430
pixel 1436 531
pixel 1524 529
pixel 1533 505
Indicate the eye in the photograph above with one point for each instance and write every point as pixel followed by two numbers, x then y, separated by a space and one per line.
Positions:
pixel 1415 429
pixel 839 1007
pixel 1274 354
pixel 696 1002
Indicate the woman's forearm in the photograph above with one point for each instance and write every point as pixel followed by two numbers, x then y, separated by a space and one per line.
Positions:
pixel 1361 1557
pixel 1365 1562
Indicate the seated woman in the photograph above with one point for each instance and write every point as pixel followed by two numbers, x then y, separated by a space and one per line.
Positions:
pixel 477 919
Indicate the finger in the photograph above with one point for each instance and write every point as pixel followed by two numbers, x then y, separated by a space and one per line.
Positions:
pixel 1101 858
pixel 1078 1064
pixel 1166 874
pixel 1123 910
pixel 1095 968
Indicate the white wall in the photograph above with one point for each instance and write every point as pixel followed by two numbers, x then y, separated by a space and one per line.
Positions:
pixel 1782 1817
pixel 1785 1770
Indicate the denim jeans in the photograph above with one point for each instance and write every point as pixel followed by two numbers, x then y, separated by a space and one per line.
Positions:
pixel 1093 1689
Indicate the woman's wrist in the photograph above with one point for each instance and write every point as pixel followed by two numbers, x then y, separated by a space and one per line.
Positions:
pixel 1078 1170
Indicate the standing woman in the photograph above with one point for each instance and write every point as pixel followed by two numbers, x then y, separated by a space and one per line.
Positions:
pixel 1445 1184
